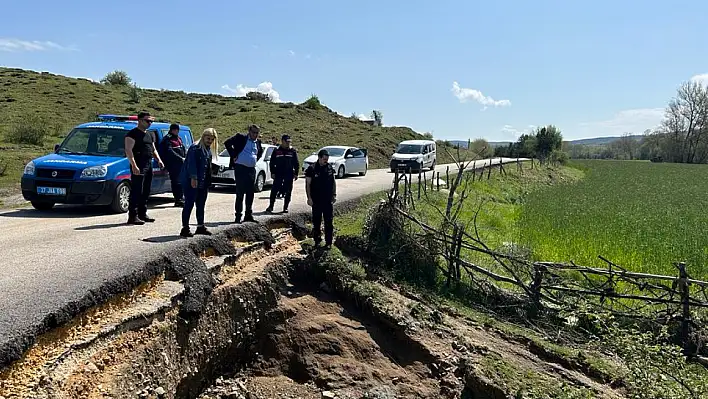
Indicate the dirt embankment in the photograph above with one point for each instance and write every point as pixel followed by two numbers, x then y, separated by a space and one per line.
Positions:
pixel 280 322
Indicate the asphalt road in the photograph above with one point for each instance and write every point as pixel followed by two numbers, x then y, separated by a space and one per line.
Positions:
pixel 49 259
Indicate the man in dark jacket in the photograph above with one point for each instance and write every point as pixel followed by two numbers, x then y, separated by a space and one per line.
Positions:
pixel 284 167
pixel 321 191
pixel 245 150
pixel 173 153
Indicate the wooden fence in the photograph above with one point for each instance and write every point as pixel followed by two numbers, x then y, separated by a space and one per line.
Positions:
pixel 612 288
pixel 431 180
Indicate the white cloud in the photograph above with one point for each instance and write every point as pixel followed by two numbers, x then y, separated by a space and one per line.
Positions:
pixel 13 45
pixel 307 57
pixel 511 133
pixel 702 79
pixel 465 94
pixel 264 87
pixel 634 121
pixel 292 53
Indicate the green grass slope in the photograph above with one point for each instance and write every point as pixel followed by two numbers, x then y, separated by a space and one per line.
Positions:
pixel 60 102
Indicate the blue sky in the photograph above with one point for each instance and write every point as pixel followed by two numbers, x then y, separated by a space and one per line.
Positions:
pixel 458 69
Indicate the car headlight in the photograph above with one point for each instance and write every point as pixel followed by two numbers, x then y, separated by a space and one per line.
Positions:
pixel 419 159
pixel 29 168
pixel 94 172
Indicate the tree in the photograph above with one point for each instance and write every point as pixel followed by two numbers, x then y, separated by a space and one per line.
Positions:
pixel 548 139
pixel 685 125
pixel 117 78
pixel 628 146
pixel 526 146
pixel 377 116
pixel 482 148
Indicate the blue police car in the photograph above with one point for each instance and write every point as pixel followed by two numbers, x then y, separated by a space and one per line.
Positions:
pixel 89 167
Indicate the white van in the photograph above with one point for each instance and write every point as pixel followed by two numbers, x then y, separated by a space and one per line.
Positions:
pixel 415 155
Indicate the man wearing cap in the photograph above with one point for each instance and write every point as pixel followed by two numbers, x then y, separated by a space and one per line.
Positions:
pixel 321 191
pixel 140 149
pixel 284 167
pixel 173 153
pixel 244 151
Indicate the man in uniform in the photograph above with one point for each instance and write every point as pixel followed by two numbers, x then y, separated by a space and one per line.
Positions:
pixel 321 195
pixel 173 153
pixel 245 150
pixel 284 167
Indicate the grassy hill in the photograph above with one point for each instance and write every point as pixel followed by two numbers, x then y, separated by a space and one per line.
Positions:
pixel 57 103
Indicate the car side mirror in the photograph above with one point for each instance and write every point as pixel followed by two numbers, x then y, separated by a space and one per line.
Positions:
pixel 56 147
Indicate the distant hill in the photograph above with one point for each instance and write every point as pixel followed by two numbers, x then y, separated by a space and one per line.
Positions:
pixel 57 103
pixel 590 141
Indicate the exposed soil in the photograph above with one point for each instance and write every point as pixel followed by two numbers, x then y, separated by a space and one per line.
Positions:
pixel 270 329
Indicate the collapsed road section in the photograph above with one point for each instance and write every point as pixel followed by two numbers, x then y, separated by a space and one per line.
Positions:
pixel 263 315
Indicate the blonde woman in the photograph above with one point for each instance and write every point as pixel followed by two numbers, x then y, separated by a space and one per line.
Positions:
pixel 196 179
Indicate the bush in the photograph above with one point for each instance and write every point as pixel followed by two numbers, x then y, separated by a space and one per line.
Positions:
pixel 312 103
pixel 559 157
pixel 3 168
pixel 398 248
pixel 134 94
pixel 30 129
pixel 257 96
pixel 117 78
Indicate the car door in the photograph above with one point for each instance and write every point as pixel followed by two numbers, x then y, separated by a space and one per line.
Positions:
pixel 349 161
pixel 267 155
pixel 359 161
pixel 160 178
pixel 428 154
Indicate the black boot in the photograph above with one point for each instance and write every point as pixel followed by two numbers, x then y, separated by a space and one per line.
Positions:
pixel 202 230
pixel 133 219
pixel 186 233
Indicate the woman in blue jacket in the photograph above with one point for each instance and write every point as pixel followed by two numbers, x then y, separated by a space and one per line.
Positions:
pixel 196 180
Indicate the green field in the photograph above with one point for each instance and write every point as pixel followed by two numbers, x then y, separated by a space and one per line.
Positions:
pixel 643 216
pixel 57 103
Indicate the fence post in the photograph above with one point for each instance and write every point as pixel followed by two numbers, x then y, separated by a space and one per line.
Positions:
pixel 395 182
pixel 489 170
pixel 474 169
pixel 535 287
pixel 437 181
pixel 447 176
pixel 458 248
pixel 418 185
pixel 685 299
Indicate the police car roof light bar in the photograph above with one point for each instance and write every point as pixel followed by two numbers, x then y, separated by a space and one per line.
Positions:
pixel 111 117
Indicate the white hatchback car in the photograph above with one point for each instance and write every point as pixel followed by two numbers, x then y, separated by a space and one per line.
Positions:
pixel 345 160
pixel 223 175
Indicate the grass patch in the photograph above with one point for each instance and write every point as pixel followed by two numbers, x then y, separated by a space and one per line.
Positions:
pixel 65 102
pixel 643 216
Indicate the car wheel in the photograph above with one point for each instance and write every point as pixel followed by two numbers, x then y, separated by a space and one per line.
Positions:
pixel 340 172
pixel 121 199
pixel 42 205
pixel 432 167
pixel 366 169
pixel 260 182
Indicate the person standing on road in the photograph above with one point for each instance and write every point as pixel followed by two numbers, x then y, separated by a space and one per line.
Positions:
pixel 244 151
pixel 140 149
pixel 284 167
pixel 321 191
pixel 196 180
pixel 173 153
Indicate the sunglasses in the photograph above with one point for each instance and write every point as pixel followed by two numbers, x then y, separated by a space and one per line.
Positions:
pixel 149 121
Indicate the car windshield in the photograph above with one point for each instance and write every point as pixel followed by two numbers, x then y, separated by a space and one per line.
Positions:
pixel 335 151
pixel 94 141
pixel 409 149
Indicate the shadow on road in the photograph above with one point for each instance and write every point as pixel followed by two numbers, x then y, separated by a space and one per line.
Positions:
pixel 77 211
pixel 101 226
pixel 162 239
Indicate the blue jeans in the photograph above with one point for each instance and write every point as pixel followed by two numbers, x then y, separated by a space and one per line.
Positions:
pixel 194 196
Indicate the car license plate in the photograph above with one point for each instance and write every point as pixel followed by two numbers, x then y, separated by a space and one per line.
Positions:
pixel 224 175
pixel 51 190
